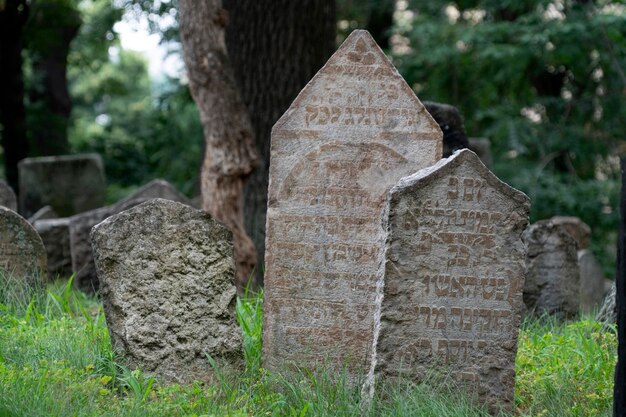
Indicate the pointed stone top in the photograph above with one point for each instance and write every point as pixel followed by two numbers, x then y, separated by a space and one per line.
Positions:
pixel 463 158
pixel 359 89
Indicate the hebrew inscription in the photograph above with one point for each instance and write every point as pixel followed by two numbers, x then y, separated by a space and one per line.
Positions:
pixel 454 276
pixel 351 134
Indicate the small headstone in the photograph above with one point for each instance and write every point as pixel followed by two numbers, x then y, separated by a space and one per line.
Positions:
pixel 70 184
pixel 44 213
pixel 349 136
pixel 553 278
pixel 580 231
pixel 7 196
pixel 482 148
pixel 22 253
pixel 608 311
pixel 81 224
pixel 591 281
pixel 167 275
pixel 55 234
pixel 453 279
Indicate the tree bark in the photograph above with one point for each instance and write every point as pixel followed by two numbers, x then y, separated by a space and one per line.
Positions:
pixel 13 16
pixel 229 156
pixel 276 47
pixel 52 27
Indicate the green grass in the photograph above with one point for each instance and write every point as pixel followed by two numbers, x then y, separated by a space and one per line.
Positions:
pixel 56 360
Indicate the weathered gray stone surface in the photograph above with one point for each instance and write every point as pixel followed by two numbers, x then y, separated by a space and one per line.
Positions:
pixel 608 311
pixel 44 213
pixel 580 231
pixel 553 278
pixel 21 250
pixel 70 183
pixel 482 148
pixel 454 275
pixel 349 136
pixel 591 281
pixel 81 224
pixel 55 234
pixel 167 276
pixel 7 196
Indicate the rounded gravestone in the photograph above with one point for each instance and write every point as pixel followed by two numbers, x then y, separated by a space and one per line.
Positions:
pixel 166 273
pixel 22 252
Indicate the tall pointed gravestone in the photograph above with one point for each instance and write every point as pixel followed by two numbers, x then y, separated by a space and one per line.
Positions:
pixel 454 276
pixel 349 136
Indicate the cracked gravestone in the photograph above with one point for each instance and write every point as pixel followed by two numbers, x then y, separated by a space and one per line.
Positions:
pixel 55 234
pixel 453 281
pixel 167 276
pixel 349 136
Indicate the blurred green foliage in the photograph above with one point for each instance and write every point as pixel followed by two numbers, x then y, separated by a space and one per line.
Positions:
pixel 544 80
pixel 143 129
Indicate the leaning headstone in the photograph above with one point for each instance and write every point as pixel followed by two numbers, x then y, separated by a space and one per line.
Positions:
pixel 591 281
pixel 70 184
pixel 553 278
pixel 44 213
pixel 167 275
pixel 349 136
pixel 22 253
pixel 55 234
pixel 579 230
pixel 81 224
pixel 7 196
pixel 454 275
pixel 482 148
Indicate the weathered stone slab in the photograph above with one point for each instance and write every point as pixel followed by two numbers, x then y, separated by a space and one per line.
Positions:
pixel 579 230
pixel 591 281
pixel 608 311
pixel 21 250
pixel 454 276
pixel 7 196
pixel 553 278
pixel 44 213
pixel 80 225
pixel 167 275
pixel 349 136
pixel 55 234
pixel 70 183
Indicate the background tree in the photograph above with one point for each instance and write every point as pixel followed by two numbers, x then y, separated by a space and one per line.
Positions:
pixel 229 155
pixel 13 17
pixel 52 26
pixel 276 47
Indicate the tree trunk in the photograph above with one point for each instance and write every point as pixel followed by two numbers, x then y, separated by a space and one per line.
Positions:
pixel 276 47
pixel 229 156
pixel 51 29
pixel 13 15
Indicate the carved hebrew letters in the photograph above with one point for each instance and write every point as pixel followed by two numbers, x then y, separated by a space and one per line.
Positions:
pixel 351 134
pixel 454 277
